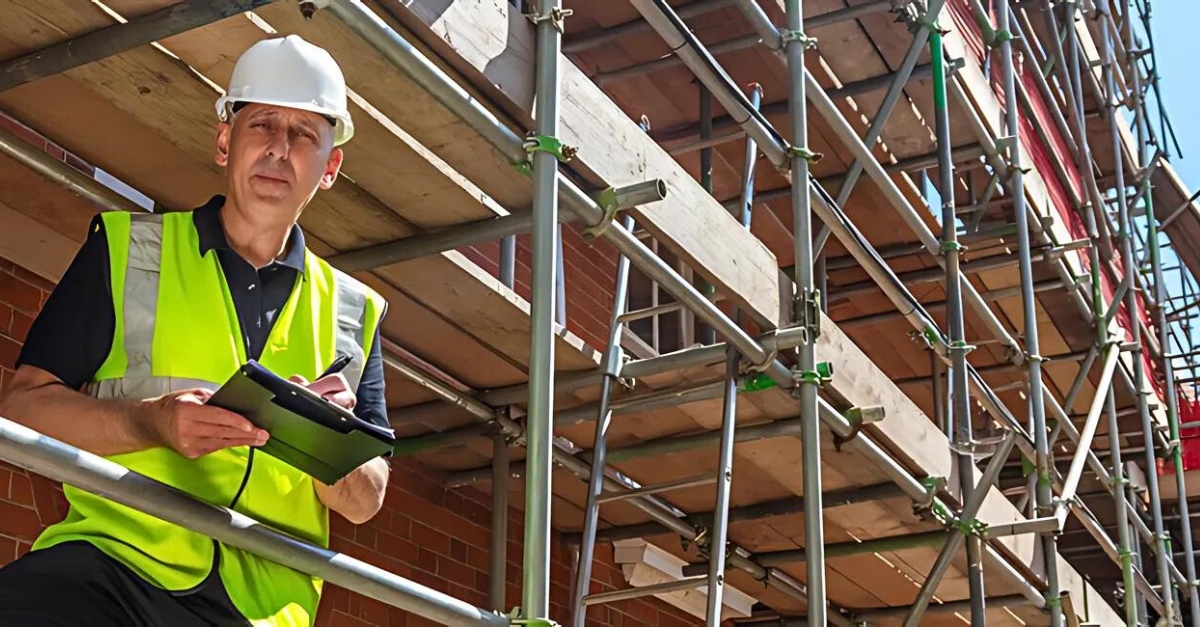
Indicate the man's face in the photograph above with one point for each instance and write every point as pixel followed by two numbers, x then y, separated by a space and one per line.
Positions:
pixel 276 158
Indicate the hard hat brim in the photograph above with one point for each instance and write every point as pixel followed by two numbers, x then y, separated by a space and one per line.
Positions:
pixel 343 130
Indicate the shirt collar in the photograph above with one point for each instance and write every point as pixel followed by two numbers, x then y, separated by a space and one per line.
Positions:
pixel 207 219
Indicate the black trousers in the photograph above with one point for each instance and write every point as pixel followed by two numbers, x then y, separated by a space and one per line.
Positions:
pixel 75 584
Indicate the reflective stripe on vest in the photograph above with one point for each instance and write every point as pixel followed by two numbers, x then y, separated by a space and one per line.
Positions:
pixel 176 328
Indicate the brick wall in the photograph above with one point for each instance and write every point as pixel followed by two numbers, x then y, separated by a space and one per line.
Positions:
pixel 590 272
pixel 437 537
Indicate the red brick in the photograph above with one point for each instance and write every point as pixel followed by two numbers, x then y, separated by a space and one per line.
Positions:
pixel 454 502
pixel 396 547
pixel 45 500
pixel 373 612
pixel 19 294
pixel 364 535
pixel 455 525
pixel 458 550
pixel 401 525
pixel 19 522
pixel 19 329
pixel 20 491
pixel 455 572
pixel 6 316
pixel 9 351
pixel 338 619
pixel 33 279
pixel 478 558
pixel 429 538
pixel 427 560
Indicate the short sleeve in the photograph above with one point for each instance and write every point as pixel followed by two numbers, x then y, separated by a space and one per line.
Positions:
pixel 72 335
pixel 371 403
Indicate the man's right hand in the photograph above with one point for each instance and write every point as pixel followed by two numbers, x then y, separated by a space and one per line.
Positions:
pixel 183 422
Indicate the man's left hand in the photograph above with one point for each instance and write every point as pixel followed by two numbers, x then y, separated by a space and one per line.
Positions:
pixel 333 388
pixel 359 495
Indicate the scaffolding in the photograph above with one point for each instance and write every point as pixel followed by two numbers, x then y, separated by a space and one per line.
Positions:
pixel 1113 279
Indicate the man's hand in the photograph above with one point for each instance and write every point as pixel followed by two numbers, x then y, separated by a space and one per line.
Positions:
pixel 359 495
pixel 333 388
pixel 183 422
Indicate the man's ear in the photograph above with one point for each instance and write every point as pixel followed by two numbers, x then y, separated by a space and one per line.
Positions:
pixel 224 132
pixel 333 165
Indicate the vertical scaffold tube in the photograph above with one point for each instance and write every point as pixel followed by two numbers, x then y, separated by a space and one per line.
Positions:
pixel 1098 308
pixel 717 550
pixel 612 370
pixel 807 313
pixel 1043 495
pixel 539 430
pixel 1161 322
pixel 1125 237
pixel 960 407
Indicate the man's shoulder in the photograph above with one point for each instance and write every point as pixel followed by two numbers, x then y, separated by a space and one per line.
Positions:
pixel 343 279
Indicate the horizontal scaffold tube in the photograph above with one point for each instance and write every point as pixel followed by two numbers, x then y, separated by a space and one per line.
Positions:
pixel 61 462
pixel 405 57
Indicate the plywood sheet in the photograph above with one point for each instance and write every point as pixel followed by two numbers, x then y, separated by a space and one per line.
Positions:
pixel 488 36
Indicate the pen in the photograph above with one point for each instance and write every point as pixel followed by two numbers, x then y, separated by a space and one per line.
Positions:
pixel 337 366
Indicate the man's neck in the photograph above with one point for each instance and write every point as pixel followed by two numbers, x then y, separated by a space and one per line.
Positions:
pixel 259 240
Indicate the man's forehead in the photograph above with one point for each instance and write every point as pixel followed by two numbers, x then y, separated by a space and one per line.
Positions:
pixel 255 109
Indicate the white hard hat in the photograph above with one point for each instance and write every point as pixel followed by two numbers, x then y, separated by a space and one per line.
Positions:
pixel 290 72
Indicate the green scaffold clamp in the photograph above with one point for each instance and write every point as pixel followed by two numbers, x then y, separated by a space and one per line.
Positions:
pixel 756 382
pixel 789 36
pixel 804 153
pixel 932 486
pixel 818 377
pixel 955 246
pixel 544 143
pixel 929 335
pixel 971 527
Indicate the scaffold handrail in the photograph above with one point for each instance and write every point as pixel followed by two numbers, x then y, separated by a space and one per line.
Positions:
pixel 62 462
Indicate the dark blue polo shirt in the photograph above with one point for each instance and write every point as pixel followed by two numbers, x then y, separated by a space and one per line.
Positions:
pixel 73 334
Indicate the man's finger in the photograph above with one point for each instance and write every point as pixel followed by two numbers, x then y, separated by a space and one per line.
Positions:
pixel 225 432
pixel 222 417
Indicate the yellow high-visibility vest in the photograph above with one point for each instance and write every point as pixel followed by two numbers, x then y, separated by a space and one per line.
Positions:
pixel 176 328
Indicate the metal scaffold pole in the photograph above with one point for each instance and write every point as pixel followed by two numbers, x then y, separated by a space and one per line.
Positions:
pixel 611 375
pixel 807 313
pixel 959 405
pixel 720 537
pixel 1125 237
pixel 1037 406
pixel 1088 212
pixel 1160 294
pixel 539 424
pixel 64 463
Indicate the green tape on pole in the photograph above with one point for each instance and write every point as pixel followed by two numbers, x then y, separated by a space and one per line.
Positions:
pixel 756 383
pixel 939 72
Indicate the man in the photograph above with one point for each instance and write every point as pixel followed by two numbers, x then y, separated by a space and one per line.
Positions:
pixel 157 311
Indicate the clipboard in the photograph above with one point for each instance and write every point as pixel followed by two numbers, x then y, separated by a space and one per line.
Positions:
pixel 308 432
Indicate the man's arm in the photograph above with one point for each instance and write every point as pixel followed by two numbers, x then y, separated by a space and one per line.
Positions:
pixel 67 344
pixel 359 495
pixel 181 420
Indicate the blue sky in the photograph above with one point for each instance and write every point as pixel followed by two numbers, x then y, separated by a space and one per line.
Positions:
pixel 1174 25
